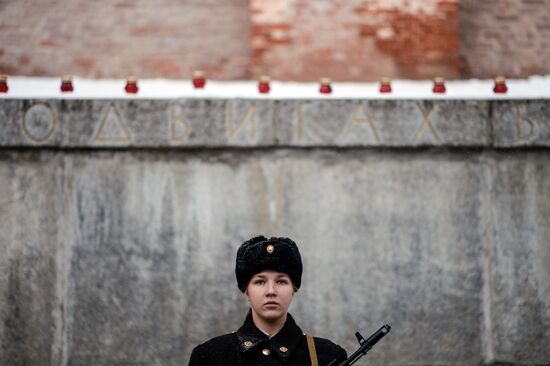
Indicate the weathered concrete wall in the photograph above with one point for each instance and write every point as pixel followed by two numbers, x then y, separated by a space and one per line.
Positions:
pixel 118 237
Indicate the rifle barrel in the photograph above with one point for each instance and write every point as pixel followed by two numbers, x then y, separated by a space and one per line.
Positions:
pixel 367 345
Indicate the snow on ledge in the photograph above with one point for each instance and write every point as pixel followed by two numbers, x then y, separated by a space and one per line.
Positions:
pixel 535 87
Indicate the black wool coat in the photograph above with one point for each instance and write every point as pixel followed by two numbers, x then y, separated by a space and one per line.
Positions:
pixel 249 346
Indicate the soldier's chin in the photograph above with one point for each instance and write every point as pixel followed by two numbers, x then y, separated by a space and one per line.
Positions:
pixel 272 315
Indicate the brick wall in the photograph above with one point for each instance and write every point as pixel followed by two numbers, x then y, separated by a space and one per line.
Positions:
pixel 288 39
pixel 354 40
pixel 114 38
pixel 510 37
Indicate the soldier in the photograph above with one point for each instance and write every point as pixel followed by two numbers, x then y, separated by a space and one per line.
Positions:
pixel 269 272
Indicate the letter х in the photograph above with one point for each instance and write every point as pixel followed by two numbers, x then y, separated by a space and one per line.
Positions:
pixel 426 122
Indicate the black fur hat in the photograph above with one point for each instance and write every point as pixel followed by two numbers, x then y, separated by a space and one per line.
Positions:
pixel 259 254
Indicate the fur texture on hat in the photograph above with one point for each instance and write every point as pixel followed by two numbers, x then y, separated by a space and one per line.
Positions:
pixel 259 254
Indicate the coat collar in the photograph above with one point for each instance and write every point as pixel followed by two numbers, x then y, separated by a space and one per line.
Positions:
pixel 282 343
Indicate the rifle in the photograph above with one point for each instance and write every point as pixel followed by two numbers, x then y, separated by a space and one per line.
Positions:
pixel 365 346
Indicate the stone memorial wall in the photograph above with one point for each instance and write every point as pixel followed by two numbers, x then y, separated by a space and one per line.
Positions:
pixel 274 123
pixel 120 220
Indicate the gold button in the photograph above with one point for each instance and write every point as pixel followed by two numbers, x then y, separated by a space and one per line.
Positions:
pixel 283 349
pixel 248 344
pixel 270 248
pixel 266 352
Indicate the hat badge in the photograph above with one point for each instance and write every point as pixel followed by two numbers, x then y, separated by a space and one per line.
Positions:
pixel 270 248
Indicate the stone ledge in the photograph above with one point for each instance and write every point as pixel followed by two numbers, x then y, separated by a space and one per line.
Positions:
pixel 259 123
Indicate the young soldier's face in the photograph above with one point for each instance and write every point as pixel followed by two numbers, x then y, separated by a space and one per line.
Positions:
pixel 270 294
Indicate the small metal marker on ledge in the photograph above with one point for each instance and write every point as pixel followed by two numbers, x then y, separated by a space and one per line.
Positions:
pixel 131 85
pixel 325 86
pixel 198 79
pixel 385 85
pixel 67 84
pixel 263 84
pixel 500 85
pixel 439 86
pixel 3 84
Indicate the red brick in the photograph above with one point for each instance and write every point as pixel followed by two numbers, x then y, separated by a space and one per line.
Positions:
pixel 39 71
pixel 140 31
pixel 165 66
pixel 24 60
pixel 8 69
pixel 85 63
pixel 48 43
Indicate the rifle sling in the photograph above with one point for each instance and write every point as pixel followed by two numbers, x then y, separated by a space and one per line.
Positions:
pixel 312 350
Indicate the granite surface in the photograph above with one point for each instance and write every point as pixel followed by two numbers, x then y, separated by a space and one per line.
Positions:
pixel 258 123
